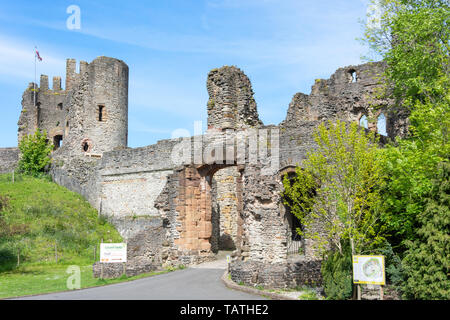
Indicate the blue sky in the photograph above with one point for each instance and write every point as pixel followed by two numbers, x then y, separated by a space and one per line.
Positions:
pixel 170 46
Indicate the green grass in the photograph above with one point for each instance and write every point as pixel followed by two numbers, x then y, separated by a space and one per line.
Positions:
pixel 309 295
pixel 35 216
pixel 38 279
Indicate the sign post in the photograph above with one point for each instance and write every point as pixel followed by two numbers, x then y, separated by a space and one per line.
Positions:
pixel 369 270
pixel 113 253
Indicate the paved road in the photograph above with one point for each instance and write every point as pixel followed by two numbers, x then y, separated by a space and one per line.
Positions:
pixel 198 283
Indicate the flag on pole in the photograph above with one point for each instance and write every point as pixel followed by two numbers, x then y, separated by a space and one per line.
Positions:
pixel 37 55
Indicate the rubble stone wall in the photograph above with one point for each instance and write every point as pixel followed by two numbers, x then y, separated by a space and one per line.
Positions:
pixel 9 157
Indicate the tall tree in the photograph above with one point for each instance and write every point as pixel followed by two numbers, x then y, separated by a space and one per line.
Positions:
pixel 412 36
pixel 337 188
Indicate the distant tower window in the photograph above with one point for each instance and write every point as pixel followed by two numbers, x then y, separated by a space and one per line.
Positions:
pixel 363 122
pixel 60 106
pixel 381 125
pixel 101 113
pixel 57 141
pixel 353 76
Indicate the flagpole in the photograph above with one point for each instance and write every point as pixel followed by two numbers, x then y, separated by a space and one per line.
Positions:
pixel 34 84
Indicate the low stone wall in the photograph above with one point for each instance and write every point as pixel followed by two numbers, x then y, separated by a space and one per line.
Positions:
pixel 277 275
pixel 9 158
pixel 145 244
pixel 116 270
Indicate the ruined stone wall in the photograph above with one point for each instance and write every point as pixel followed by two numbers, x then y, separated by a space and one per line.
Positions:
pixel 80 175
pixel 264 232
pixel 350 93
pixel 131 179
pixel 277 275
pixel 9 158
pixel 48 114
pixel 231 104
pixel 47 108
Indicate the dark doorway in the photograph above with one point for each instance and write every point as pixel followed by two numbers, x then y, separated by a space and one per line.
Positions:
pixel 225 206
pixel 294 241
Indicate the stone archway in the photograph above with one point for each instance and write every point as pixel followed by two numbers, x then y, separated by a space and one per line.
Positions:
pixel 194 218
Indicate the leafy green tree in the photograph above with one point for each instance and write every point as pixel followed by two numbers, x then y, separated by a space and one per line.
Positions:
pixel 34 153
pixel 412 36
pixel 337 188
pixel 427 260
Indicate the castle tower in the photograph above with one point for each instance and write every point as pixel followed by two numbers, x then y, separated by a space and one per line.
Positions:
pixel 231 104
pixel 108 111
pixel 98 107
pixel 43 109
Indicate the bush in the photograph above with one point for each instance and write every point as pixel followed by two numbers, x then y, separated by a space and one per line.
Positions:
pixel 337 275
pixel 35 153
pixel 427 260
pixel 393 263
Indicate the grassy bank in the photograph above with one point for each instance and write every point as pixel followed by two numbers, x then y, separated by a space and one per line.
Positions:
pixel 45 228
pixel 42 222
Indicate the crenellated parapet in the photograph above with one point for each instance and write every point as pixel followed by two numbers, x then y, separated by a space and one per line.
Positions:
pixel 72 77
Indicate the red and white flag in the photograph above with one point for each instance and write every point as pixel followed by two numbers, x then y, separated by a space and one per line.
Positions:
pixel 37 55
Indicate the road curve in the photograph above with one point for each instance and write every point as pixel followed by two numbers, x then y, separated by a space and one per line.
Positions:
pixel 202 282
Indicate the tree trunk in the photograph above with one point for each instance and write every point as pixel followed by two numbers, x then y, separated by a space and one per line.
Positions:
pixel 356 287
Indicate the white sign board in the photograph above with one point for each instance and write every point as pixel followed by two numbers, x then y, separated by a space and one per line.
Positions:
pixel 368 270
pixel 113 252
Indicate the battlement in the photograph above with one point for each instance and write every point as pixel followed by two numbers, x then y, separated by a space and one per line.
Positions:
pixel 72 77
pixel 44 86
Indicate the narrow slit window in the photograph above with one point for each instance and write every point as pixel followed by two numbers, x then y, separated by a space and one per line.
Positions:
pixel 101 110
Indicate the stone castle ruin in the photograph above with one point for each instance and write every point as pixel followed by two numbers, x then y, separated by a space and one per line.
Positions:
pixel 180 201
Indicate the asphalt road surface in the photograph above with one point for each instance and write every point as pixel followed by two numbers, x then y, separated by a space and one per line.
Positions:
pixel 202 282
